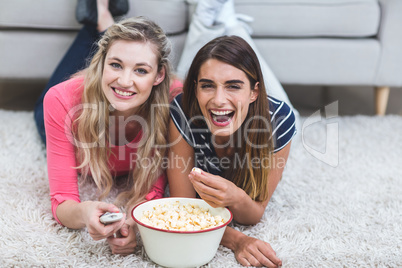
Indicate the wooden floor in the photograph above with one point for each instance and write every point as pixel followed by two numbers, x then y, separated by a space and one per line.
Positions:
pixel 306 99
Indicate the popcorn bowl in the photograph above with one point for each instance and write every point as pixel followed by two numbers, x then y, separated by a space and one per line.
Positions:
pixel 171 248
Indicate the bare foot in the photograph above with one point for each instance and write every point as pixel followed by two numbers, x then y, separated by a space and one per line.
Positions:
pixel 105 18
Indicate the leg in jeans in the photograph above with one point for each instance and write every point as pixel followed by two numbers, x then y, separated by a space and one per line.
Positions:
pixel 76 59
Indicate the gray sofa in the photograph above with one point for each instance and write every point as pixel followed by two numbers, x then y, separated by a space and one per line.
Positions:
pixel 306 42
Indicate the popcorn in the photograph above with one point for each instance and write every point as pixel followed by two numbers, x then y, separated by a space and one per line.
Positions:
pixel 196 169
pixel 178 217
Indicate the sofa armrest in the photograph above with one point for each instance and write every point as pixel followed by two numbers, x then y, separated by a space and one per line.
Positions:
pixel 390 37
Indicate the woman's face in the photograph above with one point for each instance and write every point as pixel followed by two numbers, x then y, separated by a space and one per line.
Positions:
pixel 224 94
pixel 130 71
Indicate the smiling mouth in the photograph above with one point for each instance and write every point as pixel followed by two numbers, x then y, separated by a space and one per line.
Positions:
pixel 221 117
pixel 123 93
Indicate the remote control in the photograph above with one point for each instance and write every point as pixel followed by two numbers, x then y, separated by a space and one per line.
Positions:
pixel 110 217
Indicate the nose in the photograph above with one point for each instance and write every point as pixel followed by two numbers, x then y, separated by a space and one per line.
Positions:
pixel 125 78
pixel 220 96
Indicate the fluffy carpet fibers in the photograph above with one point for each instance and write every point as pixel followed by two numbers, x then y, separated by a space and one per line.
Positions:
pixel 344 214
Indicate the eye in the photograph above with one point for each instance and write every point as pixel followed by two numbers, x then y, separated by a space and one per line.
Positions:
pixel 141 71
pixel 206 86
pixel 115 65
pixel 234 86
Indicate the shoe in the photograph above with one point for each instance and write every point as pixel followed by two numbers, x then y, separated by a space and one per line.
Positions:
pixel 86 10
pixel 118 7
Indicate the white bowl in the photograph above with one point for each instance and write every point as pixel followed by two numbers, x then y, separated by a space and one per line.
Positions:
pixel 177 248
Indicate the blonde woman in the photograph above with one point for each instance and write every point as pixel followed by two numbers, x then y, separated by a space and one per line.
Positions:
pixel 110 120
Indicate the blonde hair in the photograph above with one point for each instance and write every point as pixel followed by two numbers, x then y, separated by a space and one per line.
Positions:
pixel 92 125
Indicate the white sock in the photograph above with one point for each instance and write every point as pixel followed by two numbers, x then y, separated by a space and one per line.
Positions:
pixel 207 10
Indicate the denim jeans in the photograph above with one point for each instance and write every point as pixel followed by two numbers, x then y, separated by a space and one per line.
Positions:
pixel 76 58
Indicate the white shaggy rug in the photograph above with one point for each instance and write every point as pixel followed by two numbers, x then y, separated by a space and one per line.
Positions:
pixel 344 214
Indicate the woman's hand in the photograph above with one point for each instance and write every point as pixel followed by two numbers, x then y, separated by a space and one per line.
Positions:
pixel 96 229
pixel 215 190
pixel 250 251
pixel 125 241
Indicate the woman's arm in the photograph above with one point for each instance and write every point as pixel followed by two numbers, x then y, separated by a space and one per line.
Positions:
pixel 181 161
pixel 76 215
pixel 249 250
pixel 61 162
pixel 125 241
pixel 59 107
pixel 218 191
pixel 247 211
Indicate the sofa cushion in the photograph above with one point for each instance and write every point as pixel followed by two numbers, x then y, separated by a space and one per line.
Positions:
pixel 37 57
pixel 60 14
pixel 306 18
pixel 322 61
pixel 40 14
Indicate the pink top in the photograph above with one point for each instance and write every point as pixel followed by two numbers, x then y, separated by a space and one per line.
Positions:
pixel 61 103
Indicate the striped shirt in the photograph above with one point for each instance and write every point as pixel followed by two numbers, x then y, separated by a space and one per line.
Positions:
pixel 201 140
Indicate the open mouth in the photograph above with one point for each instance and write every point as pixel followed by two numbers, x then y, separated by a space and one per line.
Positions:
pixel 221 118
pixel 123 93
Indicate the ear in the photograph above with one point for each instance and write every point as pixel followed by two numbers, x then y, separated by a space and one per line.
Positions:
pixel 255 92
pixel 160 77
